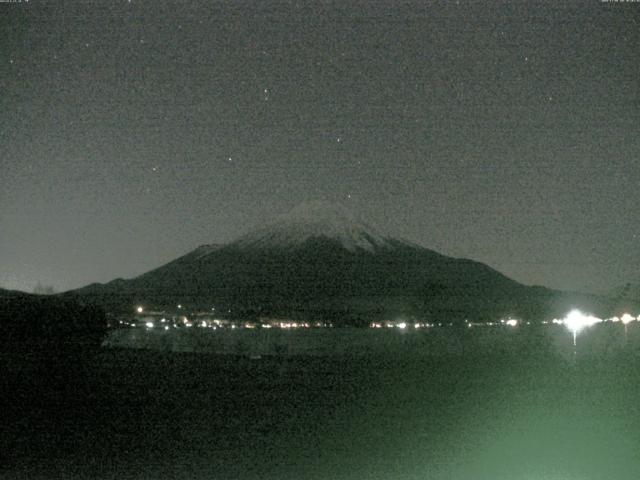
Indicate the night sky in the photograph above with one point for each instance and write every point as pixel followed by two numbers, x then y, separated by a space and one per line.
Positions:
pixel 133 131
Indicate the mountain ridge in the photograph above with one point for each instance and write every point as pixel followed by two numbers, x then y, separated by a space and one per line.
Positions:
pixel 322 262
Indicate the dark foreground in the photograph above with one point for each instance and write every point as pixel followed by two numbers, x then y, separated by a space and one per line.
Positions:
pixel 120 414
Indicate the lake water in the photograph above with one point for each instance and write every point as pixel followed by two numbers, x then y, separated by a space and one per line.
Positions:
pixel 601 339
pixel 448 404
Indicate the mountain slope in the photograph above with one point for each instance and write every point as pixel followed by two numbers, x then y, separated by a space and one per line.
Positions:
pixel 319 261
pixel 627 294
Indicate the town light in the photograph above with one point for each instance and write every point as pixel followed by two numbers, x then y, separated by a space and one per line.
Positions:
pixel 139 309
pixel 576 321
pixel 626 318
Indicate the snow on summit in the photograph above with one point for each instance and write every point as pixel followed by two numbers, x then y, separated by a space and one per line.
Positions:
pixel 312 220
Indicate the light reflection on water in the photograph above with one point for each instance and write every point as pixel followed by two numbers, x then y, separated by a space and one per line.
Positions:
pixel 489 404
pixel 601 339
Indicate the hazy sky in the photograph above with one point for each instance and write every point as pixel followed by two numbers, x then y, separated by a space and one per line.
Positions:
pixel 133 131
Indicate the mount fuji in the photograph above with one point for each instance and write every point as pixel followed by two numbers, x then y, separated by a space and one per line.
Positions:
pixel 320 262
pixel 316 220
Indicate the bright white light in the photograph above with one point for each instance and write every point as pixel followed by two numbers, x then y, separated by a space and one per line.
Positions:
pixel 139 309
pixel 203 324
pixel 149 324
pixel 576 321
pixel 166 327
pixel 626 318
pixel 179 306
pixel 512 323
pixel 402 325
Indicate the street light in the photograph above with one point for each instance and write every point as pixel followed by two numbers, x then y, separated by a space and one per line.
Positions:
pixel 576 321
pixel 626 319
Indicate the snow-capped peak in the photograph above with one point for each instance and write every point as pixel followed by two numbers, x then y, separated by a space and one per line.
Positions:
pixel 312 220
pixel 204 250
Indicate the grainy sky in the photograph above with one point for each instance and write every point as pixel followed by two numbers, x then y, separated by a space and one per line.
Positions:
pixel 133 131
